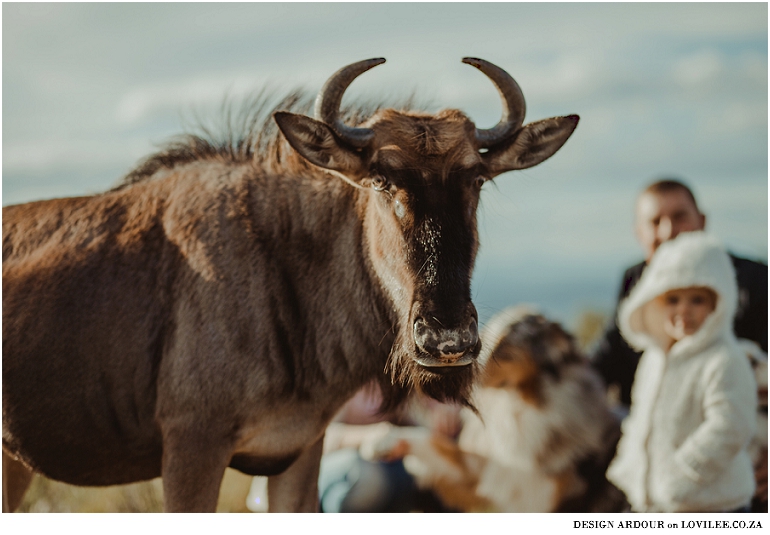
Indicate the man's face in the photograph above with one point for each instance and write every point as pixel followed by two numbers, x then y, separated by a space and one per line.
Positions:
pixel 662 216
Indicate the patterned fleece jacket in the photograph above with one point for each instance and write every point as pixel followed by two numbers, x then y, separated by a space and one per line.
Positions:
pixel 693 408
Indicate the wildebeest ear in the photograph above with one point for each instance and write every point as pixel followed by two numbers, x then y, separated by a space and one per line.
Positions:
pixel 534 143
pixel 316 142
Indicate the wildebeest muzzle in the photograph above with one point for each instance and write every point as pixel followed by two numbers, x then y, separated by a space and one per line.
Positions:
pixel 444 346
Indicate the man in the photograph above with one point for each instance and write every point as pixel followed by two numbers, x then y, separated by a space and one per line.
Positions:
pixel 663 210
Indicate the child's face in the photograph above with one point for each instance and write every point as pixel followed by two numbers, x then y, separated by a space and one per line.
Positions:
pixel 685 310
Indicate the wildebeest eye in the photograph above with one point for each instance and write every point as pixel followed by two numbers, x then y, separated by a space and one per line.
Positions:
pixel 479 181
pixel 379 183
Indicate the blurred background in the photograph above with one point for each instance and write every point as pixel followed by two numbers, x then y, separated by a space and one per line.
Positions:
pixel 674 90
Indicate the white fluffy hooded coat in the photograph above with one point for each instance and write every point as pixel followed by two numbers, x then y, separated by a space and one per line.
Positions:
pixel 693 409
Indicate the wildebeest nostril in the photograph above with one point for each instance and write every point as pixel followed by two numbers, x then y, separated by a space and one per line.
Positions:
pixel 424 336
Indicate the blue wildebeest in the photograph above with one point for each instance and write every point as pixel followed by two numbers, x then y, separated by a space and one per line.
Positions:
pixel 220 305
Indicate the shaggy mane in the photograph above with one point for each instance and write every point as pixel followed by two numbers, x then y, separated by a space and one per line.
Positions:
pixel 247 133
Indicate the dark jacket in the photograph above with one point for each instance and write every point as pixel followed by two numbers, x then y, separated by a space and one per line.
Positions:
pixel 616 361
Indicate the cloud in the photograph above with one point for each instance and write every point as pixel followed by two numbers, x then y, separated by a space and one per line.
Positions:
pixel 53 154
pixel 142 102
pixel 737 117
pixel 699 68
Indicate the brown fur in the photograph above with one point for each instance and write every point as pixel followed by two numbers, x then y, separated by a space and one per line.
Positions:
pixel 16 480
pixel 224 301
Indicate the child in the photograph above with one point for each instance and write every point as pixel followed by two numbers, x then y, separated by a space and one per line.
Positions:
pixel 685 442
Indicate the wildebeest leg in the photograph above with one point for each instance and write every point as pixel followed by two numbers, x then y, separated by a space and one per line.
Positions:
pixel 193 466
pixel 296 489
pixel 16 480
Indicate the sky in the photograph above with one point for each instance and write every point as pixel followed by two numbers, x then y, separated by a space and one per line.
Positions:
pixel 675 90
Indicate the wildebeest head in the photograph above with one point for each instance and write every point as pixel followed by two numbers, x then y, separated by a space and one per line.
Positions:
pixel 422 175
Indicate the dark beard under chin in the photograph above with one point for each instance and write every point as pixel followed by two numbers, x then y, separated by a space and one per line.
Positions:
pixel 403 376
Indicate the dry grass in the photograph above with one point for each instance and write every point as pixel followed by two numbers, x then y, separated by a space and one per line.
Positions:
pixel 590 327
pixel 47 496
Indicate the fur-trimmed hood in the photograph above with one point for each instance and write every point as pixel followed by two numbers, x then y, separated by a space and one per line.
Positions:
pixel 691 259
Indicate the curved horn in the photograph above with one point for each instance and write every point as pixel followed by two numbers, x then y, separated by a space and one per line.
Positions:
pixel 327 104
pixel 513 104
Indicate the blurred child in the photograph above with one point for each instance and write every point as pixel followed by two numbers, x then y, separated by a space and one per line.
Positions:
pixel 694 400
